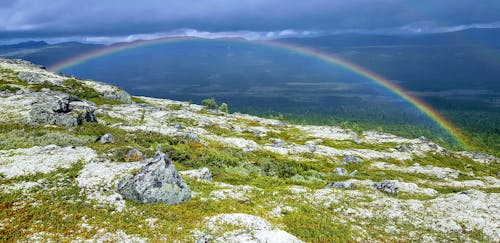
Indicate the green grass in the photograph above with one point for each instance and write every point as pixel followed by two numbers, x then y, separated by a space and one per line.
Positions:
pixel 138 100
pixel 187 122
pixel 4 87
pixel 317 225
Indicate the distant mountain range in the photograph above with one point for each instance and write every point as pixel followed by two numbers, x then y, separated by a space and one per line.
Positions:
pixel 483 37
pixel 46 54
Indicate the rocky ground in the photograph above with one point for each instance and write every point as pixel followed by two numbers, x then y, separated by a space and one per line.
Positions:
pixel 77 163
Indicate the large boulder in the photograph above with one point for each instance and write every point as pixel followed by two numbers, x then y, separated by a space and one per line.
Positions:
pixel 60 109
pixel 157 181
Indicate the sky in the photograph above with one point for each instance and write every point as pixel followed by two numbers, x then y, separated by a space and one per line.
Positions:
pixel 107 21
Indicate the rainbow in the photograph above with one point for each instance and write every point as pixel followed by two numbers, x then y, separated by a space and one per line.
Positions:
pixel 328 58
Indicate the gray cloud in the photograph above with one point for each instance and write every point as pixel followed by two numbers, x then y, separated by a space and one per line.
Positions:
pixel 116 18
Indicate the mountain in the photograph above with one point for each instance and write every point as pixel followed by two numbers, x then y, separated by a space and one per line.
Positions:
pixel 22 45
pixel 87 158
pixel 46 54
pixel 482 37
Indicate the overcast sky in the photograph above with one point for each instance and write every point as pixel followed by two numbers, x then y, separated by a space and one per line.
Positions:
pixel 115 20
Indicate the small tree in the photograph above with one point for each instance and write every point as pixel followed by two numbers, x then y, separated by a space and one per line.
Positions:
pixel 210 103
pixel 223 107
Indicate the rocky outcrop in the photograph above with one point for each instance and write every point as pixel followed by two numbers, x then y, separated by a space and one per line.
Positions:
pixel 33 74
pixel 109 92
pixel 60 109
pixel 46 108
pixel 157 181
pixel 29 161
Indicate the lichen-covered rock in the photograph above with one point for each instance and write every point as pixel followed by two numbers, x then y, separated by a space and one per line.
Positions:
pixel 340 171
pixel 350 159
pixel 107 138
pixel 60 109
pixel 404 148
pixel 109 92
pixel 342 185
pixel 388 186
pixel 29 161
pixel 203 174
pixel 157 181
pixel 46 108
pixel 277 142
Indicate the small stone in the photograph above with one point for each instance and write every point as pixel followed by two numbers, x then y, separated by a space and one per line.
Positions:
pixel 341 184
pixel 179 126
pixel 277 142
pixel 311 147
pixel 133 155
pixel 107 138
pixel 404 148
pixel 349 159
pixel 205 239
pixel 388 186
pixel 340 171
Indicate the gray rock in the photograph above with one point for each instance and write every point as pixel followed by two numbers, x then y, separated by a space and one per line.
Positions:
pixel 205 239
pixel 340 171
pixel 118 95
pixel 199 174
pixel 311 146
pixel 277 142
pixel 157 181
pixel 404 148
pixel 204 174
pixel 60 109
pixel 33 78
pixel 107 138
pixel 341 184
pixel 388 186
pixel 84 109
pixel 133 155
pixel 179 126
pixel 349 159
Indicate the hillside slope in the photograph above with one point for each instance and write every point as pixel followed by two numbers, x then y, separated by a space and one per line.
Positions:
pixel 66 143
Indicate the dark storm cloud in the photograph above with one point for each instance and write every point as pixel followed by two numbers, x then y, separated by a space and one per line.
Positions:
pixel 59 18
